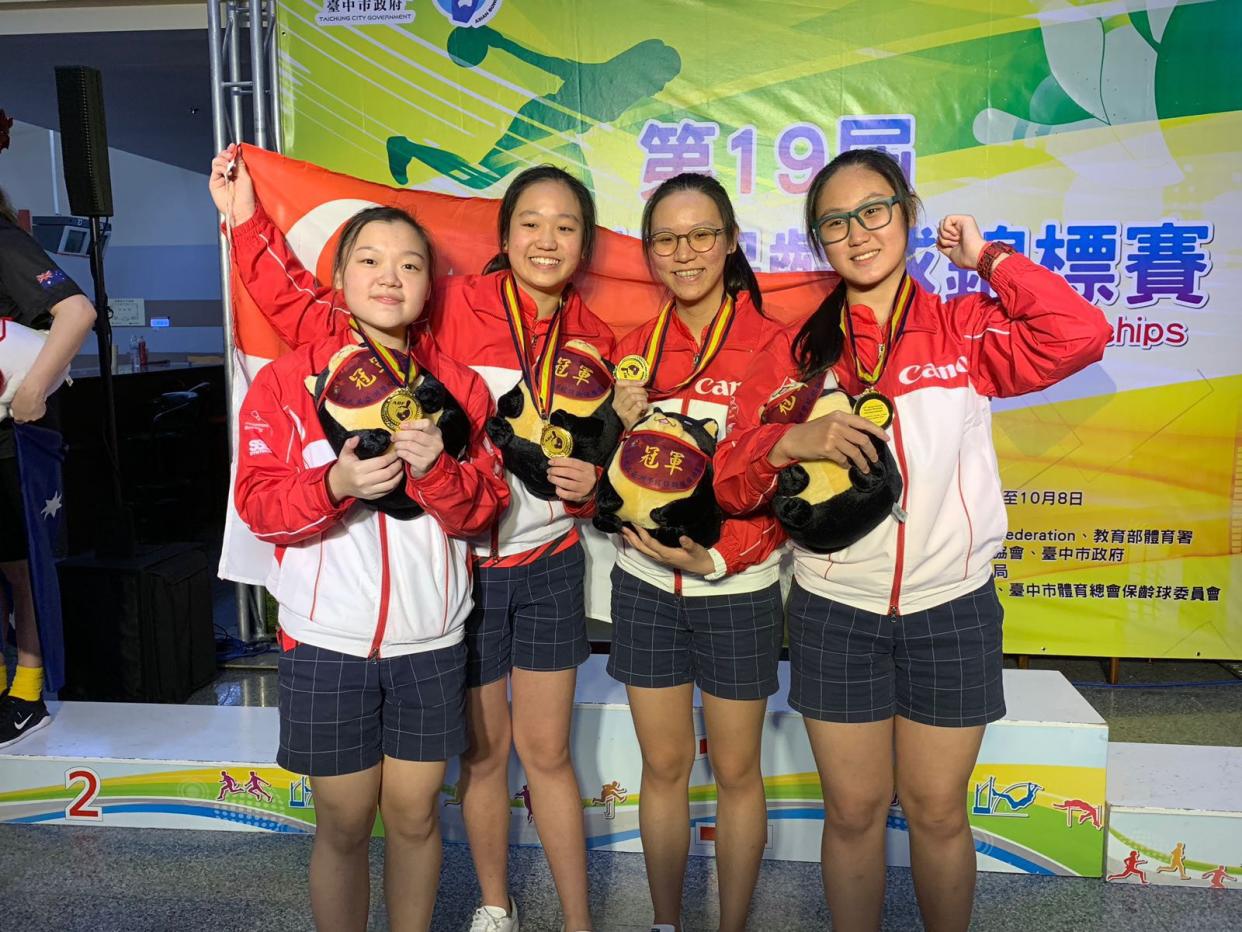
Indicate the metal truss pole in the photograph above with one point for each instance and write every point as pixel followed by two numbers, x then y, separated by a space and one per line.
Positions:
pixel 239 71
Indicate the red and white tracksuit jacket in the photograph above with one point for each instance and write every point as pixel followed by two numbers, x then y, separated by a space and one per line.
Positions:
pixel 952 358
pixel 748 554
pixel 469 323
pixel 348 578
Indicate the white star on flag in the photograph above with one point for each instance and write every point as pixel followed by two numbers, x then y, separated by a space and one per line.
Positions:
pixel 51 506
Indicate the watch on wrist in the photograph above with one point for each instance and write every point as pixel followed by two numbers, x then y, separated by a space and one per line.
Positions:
pixel 988 256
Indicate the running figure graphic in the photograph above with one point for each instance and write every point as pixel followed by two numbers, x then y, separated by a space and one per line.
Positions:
pixel 254 786
pixel 1132 869
pixel 228 786
pixel 591 93
pixel 524 795
pixel 1219 876
pixel 1177 862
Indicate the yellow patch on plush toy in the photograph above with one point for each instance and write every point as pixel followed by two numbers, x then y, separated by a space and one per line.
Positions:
pixel 827 478
pixel 660 479
pixel 581 423
pixel 659 463
pixel 356 398
pixel 580 381
pixel 823 506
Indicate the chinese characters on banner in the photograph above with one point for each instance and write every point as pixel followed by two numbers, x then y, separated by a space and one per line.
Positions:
pixel 1136 264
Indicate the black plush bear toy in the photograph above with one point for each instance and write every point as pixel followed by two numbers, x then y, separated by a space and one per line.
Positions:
pixel 355 397
pixel 581 414
pixel 660 479
pixel 823 506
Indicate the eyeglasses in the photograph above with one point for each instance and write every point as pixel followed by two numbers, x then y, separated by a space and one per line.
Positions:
pixel 873 215
pixel 700 239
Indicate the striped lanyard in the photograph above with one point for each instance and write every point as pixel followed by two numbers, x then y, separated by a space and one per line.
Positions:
pixel 716 334
pixel 539 375
pixel 896 325
pixel 402 376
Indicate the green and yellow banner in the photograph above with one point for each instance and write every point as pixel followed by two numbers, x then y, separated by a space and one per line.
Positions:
pixel 1100 139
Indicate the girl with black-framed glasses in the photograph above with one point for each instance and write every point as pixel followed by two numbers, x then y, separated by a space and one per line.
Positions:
pixel 692 613
pixel 895 640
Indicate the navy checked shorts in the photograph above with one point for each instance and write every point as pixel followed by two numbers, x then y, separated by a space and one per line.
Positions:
pixel 532 617
pixel 341 714
pixel 727 645
pixel 941 666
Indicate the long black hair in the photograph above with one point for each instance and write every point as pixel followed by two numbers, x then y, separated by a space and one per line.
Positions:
pixel 508 204
pixel 738 275
pixel 353 226
pixel 819 343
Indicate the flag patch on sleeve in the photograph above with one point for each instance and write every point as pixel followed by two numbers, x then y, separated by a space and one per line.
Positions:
pixel 51 278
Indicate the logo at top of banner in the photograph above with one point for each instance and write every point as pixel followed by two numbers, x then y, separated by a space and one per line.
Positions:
pixel 363 12
pixel 468 13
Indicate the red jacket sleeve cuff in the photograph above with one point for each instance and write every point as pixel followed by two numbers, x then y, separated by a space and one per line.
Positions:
pixel 584 509
pixel 761 475
pixel 324 500
pixel 1007 275
pixel 438 478
pixel 248 234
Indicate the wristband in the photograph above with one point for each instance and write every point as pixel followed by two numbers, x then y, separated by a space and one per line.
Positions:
pixel 988 256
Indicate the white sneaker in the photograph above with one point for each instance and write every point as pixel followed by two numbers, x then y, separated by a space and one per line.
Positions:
pixel 495 919
pixel 663 927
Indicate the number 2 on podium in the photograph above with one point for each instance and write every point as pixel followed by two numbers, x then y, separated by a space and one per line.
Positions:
pixel 81 807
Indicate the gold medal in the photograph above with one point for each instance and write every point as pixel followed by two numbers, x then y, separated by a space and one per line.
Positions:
pixel 875 408
pixel 633 368
pixel 399 407
pixel 555 441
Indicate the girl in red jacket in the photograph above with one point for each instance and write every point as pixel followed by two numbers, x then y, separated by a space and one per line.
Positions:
pixel 527 632
pixel 689 615
pixel 372 608
pixel 895 641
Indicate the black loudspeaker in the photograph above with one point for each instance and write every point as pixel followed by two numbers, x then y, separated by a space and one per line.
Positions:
pixel 84 141
pixel 138 629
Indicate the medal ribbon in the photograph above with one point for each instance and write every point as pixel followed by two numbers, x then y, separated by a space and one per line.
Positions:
pixel 401 376
pixel 896 325
pixel 539 376
pixel 716 334
pixel 814 387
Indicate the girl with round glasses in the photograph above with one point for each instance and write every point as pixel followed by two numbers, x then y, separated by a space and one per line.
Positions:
pixel 895 641
pixel 692 616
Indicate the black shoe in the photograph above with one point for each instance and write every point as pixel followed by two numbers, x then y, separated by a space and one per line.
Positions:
pixel 19 717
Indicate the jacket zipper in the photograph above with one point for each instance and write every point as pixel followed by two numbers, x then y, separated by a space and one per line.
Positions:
pixel 385 585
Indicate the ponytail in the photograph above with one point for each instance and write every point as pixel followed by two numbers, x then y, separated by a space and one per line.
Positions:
pixel 819 343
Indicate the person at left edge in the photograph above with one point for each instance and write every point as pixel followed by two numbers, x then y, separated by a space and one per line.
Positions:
pixel 34 291
pixel 528 629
